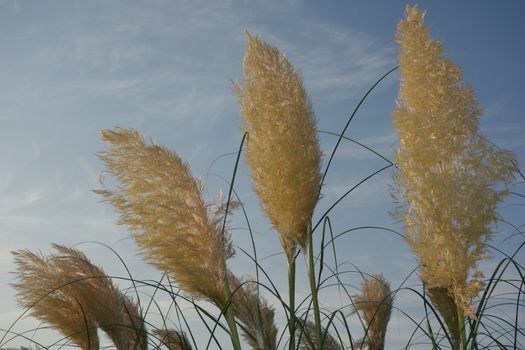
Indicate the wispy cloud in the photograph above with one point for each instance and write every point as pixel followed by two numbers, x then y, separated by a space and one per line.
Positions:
pixel 332 59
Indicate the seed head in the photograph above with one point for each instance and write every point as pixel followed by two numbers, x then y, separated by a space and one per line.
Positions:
pixel 173 339
pixel 283 151
pixel 448 173
pixel 43 289
pixel 161 203
pixel 115 313
pixel 80 293
pixel 255 315
pixel 375 306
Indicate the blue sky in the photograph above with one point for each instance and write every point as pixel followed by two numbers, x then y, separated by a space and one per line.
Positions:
pixel 70 69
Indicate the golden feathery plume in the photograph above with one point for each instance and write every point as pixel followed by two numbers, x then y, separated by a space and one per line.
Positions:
pixel 161 203
pixel 60 308
pixel 283 150
pixel 375 306
pixel 173 339
pixel 448 172
pixel 255 314
pixel 116 314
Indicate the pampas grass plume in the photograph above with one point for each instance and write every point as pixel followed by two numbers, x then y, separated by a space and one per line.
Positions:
pixel 116 314
pixel 81 294
pixel 375 306
pixel 256 316
pixel 448 173
pixel 283 150
pixel 173 339
pixel 45 292
pixel 161 203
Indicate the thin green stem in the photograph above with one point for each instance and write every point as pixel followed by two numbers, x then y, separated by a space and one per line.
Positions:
pixel 230 318
pixel 461 329
pixel 313 286
pixel 229 314
pixel 291 301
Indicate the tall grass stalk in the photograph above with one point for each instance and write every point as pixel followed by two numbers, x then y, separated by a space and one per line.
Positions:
pixel 314 288
pixel 291 301
pixel 230 315
pixel 462 329
pixel 283 150
pixel 230 318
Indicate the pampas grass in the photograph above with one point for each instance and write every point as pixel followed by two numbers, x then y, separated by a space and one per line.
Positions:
pixel 375 306
pixel 449 174
pixel 116 314
pixel 67 291
pixel 255 315
pixel 283 151
pixel 45 291
pixel 449 180
pixel 161 203
pixel 173 339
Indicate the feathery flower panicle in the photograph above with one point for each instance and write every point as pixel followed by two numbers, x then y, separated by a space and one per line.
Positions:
pixel 448 173
pixel 283 150
pixel 84 293
pixel 60 308
pixel 255 315
pixel 173 339
pixel 161 203
pixel 375 306
pixel 116 314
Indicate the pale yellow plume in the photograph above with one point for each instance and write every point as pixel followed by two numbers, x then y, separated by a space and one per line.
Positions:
pixel 375 307
pixel 116 314
pixel 448 173
pixel 161 203
pixel 45 290
pixel 84 294
pixel 255 315
pixel 283 150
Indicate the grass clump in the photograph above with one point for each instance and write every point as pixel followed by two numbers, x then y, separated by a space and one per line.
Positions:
pixel 449 180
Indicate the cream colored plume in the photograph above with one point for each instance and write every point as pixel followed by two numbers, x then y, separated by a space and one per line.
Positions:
pixel 161 203
pixel 448 173
pixel 374 304
pixel 44 290
pixel 283 151
pixel 255 315
pixel 84 293
pixel 116 314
